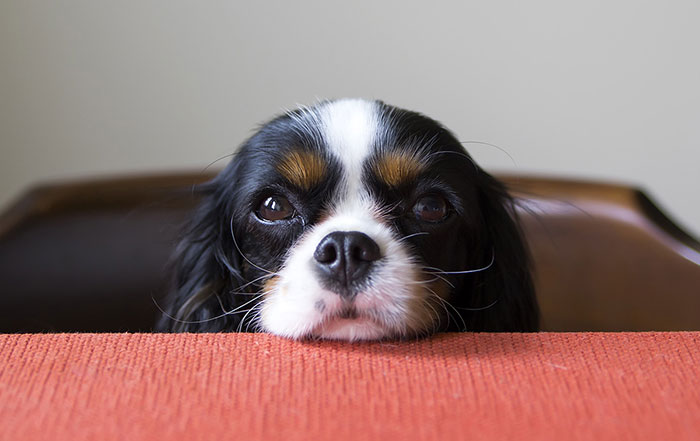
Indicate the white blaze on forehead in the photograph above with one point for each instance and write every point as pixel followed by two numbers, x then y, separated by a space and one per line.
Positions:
pixel 349 128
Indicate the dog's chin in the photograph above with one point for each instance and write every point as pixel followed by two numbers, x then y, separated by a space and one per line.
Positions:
pixel 350 329
pixel 324 315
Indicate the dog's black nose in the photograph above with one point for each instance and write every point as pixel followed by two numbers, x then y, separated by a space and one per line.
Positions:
pixel 344 259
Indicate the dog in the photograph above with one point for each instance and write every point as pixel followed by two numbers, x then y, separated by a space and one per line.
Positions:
pixel 352 220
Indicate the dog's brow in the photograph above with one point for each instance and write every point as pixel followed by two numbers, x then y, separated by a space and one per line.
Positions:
pixel 302 168
pixel 397 167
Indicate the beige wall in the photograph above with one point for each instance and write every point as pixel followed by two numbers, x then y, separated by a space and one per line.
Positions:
pixel 600 89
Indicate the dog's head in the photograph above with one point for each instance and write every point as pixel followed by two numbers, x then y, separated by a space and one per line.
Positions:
pixel 352 220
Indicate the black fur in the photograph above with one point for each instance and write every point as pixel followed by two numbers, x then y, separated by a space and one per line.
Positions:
pixel 212 276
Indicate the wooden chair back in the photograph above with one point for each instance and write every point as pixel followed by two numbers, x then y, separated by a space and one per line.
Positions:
pixel 92 255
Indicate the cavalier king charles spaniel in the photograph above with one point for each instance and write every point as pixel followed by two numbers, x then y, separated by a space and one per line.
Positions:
pixel 352 220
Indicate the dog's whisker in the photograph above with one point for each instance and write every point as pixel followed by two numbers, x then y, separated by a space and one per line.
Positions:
pixel 256 318
pixel 420 233
pixel 386 211
pixel 482 308
pixel 448 314
pixel 214 162
pixel 436 276
pixel 243 293
pixel 446 303
pixel 435 271
pixel 243 319
pixel 233 236
pixel 265 276
pixel 463 155
pixel 422 282
pixel 218 298
pixel 226 313
pixel 488 144
pixel 438 321
pixel 240 325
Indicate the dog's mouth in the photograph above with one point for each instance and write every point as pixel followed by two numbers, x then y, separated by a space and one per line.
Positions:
pixel 349 323
pixel 347 313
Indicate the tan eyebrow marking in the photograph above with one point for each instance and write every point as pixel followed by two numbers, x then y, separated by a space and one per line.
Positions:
pixel 303 168
pixel 396 167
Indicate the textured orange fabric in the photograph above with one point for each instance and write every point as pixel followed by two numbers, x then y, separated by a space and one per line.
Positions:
pixel 254 386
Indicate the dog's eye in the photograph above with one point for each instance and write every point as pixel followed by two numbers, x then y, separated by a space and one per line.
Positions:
pixel 275 208
pixel 430 208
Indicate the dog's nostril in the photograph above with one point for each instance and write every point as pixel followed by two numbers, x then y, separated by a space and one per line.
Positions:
pixel 362 248
pixel 344 257
pixel 326 252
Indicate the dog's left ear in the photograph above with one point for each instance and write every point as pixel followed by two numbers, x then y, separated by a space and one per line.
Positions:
pixel 205 265
pixel 502 296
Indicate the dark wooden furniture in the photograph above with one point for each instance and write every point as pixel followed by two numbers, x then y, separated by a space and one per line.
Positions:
pixel 607 258
pixel 92 255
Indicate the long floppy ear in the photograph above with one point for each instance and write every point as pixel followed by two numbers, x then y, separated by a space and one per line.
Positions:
pixel 205 266
pixel 503 296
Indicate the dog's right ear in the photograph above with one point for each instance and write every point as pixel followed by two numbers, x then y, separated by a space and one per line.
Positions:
pixel 503 295
pixel 206 264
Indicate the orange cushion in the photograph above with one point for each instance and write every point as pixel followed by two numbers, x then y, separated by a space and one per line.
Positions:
pixel 599 386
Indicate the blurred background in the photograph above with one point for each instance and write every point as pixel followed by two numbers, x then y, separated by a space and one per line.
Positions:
pixel 598 89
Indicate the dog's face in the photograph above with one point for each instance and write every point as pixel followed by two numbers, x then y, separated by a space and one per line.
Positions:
pixel 353 220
